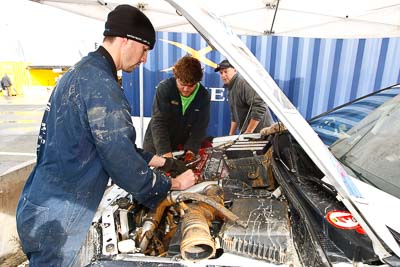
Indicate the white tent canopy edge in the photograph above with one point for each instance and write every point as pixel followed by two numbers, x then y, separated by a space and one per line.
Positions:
pixel 307 18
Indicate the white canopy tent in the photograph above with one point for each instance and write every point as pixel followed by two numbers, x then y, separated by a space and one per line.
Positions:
pixel 44 35
pixel 306 18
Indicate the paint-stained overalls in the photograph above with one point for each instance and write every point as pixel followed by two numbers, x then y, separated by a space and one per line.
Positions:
pixel 86 136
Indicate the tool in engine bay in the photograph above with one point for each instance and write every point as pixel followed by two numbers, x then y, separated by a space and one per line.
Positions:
pixel 194 162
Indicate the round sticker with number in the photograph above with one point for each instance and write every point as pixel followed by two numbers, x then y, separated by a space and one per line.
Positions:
pixel 342 219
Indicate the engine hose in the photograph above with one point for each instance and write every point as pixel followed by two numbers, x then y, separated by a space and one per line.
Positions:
pixel 211 202
pixel 197 243
pixel 151 223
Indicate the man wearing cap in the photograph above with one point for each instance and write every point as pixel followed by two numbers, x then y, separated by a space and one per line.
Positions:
pixel 181 112
pixel 87 136
pixel 249 113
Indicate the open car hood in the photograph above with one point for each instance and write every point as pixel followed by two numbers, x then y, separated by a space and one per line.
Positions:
pixel 220 36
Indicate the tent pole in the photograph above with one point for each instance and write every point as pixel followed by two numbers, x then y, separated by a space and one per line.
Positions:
pixel 273 20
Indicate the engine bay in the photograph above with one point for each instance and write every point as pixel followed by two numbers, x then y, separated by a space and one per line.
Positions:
pixel 233 210
pixel 259 202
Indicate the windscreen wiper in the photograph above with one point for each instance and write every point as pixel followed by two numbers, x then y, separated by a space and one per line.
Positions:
pixel 330 188
pixel 358 174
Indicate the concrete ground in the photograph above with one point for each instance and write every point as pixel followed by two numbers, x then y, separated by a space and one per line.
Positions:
pixel 20 118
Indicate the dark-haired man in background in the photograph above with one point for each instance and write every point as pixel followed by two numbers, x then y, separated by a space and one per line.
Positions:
pixel 181 112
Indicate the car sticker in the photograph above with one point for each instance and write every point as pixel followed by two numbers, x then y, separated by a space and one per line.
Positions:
pixel 342 219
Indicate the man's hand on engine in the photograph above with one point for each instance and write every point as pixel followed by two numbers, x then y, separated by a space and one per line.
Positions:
pixel 174 166
pixel 168 155
pixel 184 181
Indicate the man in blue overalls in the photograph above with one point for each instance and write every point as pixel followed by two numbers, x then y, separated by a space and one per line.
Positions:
pixel 87 136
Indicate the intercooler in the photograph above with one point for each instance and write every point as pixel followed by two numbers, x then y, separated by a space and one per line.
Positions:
pixel 267 235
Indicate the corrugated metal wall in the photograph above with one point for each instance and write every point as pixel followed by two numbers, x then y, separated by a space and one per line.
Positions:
pixel 316 74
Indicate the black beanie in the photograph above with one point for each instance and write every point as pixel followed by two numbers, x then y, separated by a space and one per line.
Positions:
pixel 129 22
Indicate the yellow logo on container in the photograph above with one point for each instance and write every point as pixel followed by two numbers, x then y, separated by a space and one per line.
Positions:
pixel 199 54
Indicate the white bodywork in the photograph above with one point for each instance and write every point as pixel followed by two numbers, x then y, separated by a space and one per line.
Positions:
pixel 220 36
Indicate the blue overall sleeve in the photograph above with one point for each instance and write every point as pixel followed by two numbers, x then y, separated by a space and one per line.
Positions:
pixel 111 125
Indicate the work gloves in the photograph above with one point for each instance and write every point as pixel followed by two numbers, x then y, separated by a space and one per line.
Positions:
pixel 174 167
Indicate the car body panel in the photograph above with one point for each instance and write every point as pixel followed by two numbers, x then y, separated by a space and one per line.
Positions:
pixel 217 34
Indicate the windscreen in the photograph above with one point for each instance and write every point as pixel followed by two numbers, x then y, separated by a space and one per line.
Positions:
pixel 371 149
